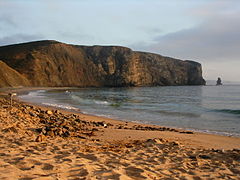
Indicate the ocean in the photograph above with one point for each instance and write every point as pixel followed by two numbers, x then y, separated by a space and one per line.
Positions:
pixel 211 109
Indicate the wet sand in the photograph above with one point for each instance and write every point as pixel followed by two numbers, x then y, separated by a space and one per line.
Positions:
pixel 44 143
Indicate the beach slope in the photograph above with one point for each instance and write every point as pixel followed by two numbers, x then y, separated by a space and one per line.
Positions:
pixel 44 143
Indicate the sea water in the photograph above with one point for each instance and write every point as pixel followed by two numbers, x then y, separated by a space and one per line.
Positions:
pixel 212 109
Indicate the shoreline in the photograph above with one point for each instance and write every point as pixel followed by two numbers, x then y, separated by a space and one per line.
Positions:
pixel 204 131
pixel 45 143
pixel 216 141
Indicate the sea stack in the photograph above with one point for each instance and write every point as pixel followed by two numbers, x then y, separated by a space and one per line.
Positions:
pixel 52 63
pixel 219 81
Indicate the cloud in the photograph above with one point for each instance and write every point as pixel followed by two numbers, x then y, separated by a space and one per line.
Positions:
pixel 19 38
pixel 214 41
pixel 216 38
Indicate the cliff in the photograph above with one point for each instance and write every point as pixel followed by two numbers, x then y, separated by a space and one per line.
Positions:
pixel 51 63
pixel 10 77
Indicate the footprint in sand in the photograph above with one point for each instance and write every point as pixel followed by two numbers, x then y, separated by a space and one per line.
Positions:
pixel 91 157
pixel 79 173
pixel 26 178
pixel 134 172
pixel 47 167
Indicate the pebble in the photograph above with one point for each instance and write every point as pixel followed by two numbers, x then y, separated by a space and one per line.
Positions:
pixel 40 138
pixel 33 114
pixel 49 112
pixel 203 156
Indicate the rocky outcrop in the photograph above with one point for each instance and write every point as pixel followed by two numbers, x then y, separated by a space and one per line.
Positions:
pixel 51 63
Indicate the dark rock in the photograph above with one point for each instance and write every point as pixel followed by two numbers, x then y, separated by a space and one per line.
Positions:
pixel 33 114
pixel 186 132
pixel 203 156
pixel 66 134
pixel 193 157
pixel 40 138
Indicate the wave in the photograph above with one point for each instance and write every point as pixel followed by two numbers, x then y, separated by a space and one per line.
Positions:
pixel 101 102
pixel 173 113
pixel 88 101
pixel 80 100
pixel 61 106
pixel 32 94
pixel 214 132
pixel 229 111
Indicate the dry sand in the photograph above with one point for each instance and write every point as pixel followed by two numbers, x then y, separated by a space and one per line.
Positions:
pixel 41 143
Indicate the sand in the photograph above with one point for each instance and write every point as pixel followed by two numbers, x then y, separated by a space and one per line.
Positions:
pixel 44 143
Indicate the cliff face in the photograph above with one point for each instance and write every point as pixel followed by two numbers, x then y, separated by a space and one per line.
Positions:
pixel 51 63
pixel 10 77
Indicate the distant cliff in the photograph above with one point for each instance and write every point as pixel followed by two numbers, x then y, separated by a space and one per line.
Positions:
pixel 51 63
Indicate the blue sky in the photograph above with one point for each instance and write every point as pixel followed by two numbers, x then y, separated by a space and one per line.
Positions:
pixel 207 31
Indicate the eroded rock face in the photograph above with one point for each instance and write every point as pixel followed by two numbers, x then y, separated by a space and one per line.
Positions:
pixel 51 63
pixel 10 77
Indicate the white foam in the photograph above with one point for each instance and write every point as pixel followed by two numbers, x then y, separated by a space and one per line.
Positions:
pixel 80 100
pixel 102 102
pixel 88 101
pixel 214 132
pixel 32 94
pixel 61 106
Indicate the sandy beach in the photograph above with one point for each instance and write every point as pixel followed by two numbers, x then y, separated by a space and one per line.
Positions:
pixel 45 143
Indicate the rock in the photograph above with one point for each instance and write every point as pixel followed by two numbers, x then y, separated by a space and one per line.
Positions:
pixel 186 132
pixel 66 134
pixel 49 112
pixel 174 143
pixel 119 127
pixel 40 138
pixel 41 115
pixel 33 114
pixel 151 141
pixel 203 156
pixel 57 112
pixel 51 133
pixel 58 64
pixel 44 130
pixel 193 157
pixel 127 145
pixel 159 141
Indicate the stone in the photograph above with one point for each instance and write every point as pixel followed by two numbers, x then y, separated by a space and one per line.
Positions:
pixel 49 112
pixel 51 133
pixel 44 130
pixel 40 138
pixel 56 111
pixel 33 114
pixel 203 156
pixel 193 157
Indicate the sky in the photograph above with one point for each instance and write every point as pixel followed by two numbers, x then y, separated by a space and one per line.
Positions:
pixel 206 31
